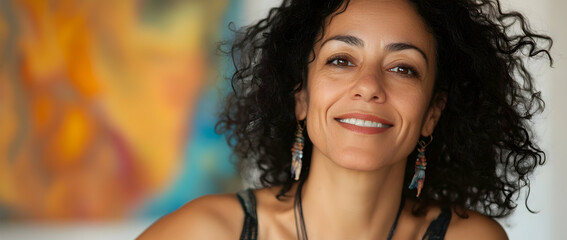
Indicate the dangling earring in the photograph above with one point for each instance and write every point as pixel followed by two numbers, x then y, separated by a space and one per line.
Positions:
pixel 420 166
pixel 297 153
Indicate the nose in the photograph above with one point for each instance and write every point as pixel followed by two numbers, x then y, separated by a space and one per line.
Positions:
pixel 369 87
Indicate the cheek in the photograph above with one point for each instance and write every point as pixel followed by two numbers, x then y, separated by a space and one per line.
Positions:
pixel 324 94
pixel 318 106
pixel 410 100
pixel 411 108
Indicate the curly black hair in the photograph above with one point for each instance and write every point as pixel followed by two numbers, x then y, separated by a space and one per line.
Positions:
pixel 483 153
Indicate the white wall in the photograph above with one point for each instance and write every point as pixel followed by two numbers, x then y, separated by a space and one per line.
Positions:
pixel 548 188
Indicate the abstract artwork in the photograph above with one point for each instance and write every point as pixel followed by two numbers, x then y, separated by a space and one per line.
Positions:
pixel 108 108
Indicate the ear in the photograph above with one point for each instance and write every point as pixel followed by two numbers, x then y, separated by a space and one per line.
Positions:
pixel 301 104
pixel 433 113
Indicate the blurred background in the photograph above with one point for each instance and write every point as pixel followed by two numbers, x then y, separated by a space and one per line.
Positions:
pixel 107 113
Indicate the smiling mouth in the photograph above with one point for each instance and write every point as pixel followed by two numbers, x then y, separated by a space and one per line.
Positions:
pixel 363 123
pixel 367 124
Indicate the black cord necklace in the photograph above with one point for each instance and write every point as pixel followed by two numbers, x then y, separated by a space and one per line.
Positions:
pixel 300 223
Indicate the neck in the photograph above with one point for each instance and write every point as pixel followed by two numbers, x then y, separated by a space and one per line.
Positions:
pixel 340 203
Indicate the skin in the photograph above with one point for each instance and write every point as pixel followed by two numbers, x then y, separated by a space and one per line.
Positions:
pixel 383 71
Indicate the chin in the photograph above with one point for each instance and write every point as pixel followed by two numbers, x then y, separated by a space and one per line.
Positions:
pixel 361 161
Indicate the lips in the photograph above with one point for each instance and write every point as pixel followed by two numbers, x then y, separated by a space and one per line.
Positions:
pixel 363 123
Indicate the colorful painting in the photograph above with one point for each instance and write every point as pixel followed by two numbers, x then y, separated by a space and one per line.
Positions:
pixel 107 108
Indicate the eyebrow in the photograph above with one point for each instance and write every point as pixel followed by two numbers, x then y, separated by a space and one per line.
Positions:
pixel 348 39
pixel 392 47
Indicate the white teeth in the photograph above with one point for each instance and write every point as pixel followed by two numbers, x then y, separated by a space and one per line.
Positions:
pixel 363 123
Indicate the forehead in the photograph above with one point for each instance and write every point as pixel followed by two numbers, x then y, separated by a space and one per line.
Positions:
pixel 382 22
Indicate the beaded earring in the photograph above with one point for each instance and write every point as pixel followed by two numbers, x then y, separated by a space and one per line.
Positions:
pixel 420 166
pixel 297 153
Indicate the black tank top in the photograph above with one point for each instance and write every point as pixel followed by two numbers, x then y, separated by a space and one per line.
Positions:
pixel 435 231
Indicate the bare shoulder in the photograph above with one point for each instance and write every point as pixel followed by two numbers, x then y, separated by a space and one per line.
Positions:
pixel 208 217
pixel 476 226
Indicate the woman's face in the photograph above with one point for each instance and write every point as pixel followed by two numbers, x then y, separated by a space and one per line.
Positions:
pixel 370 85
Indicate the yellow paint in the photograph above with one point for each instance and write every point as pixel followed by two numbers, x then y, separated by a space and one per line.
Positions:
pixel 72 137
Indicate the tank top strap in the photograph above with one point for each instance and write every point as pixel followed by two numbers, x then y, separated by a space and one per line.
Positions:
pixel 438 228
pixel 248 202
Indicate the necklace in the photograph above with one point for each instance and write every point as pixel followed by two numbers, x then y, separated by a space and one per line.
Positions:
pixel 300 223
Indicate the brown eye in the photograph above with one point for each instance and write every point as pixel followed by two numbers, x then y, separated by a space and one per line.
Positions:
pixel 340 62
pixel 405 71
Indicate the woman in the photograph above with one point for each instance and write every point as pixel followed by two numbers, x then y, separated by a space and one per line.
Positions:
pixel 359 90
